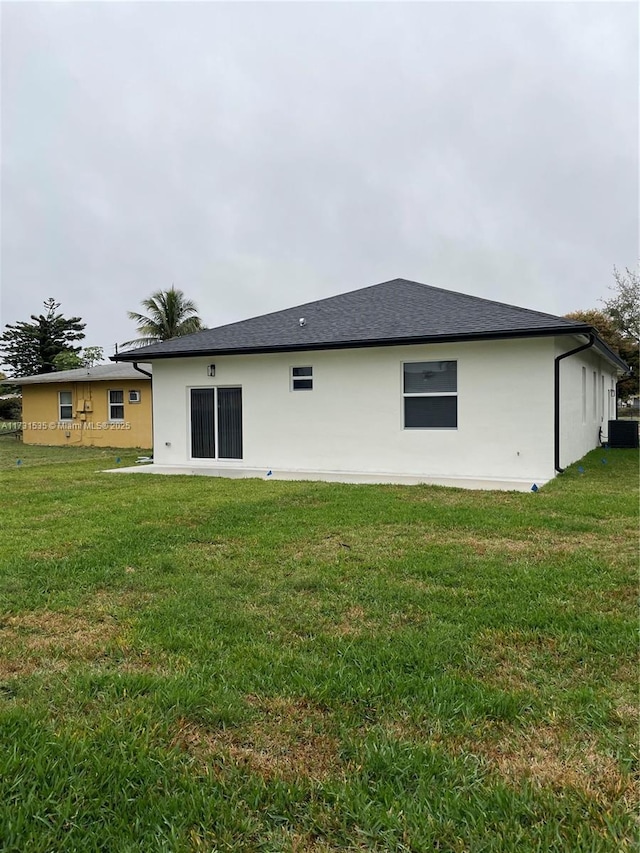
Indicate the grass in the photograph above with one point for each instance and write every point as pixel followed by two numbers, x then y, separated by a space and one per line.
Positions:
pixel 199 664
pixel 10 428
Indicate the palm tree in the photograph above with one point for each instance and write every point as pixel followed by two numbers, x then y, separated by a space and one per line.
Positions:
pixel 170 315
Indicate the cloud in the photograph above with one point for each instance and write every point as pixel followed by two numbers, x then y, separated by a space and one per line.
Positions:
pixel 260 155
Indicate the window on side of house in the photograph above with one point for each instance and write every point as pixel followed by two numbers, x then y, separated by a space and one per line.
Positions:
pixel 116 405
pixel 134 397
pixel 430 392
pixel 65 406
pixel 612 399
pixel 302 378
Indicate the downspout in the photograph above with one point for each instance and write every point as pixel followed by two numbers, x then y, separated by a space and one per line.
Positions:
pixel 556 389
pixel 150 375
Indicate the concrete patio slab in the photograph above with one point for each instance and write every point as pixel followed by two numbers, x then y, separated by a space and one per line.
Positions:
pixel 328 476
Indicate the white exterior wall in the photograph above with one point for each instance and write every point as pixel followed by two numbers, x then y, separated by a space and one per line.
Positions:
pixel 582 417
pixel 352 420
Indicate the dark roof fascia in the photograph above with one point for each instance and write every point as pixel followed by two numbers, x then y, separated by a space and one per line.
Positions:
pixel 606 350
pixel 581 329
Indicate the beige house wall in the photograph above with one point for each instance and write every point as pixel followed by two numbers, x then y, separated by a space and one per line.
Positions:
pixel 90 425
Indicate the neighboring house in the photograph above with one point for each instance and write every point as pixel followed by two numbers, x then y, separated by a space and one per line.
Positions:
pixel 398 382
pixel 108 405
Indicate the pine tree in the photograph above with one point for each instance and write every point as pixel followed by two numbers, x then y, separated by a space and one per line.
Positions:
pixel 31 348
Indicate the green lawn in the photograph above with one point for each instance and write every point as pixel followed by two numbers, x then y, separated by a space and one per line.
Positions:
pixel 198 664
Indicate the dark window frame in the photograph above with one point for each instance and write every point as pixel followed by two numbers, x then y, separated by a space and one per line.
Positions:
pixel 221 444
pixel 301 377
pixel 443 413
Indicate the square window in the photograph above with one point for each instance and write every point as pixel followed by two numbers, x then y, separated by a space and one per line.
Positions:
pixel 302 378
pixel 430 391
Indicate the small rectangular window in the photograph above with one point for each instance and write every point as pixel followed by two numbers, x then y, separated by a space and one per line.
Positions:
pixel 302 378
pixel 116 405
pixel 612 399
pixel 430 390
pixel 134 396
pixel 65 406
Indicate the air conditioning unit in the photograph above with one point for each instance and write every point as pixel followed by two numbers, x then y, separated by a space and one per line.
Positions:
pixel 134 396
pixel 623 434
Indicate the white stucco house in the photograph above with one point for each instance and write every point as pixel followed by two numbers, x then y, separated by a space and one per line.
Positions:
pixel 399 382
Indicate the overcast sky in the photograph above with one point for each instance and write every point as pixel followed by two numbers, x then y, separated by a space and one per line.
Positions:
pixel 261 155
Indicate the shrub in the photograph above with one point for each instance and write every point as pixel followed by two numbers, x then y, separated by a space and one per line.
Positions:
pixel 10 408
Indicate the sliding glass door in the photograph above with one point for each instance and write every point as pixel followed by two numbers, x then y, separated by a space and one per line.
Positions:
pixel 230 423
pixel 216 423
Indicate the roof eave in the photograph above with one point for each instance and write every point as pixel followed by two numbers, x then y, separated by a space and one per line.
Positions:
pixel 606 351
pixel 361 344
pixel 62 378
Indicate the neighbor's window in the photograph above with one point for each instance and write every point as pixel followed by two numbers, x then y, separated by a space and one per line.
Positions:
pixel 65 406
pixel 431 395
pixel 134 396
pixel 302 378
pixel 116 405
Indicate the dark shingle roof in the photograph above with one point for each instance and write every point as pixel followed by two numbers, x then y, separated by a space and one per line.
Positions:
pixel 395 311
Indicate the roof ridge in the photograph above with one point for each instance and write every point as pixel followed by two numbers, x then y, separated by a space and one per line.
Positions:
pixel 484 299
pixel 417 284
